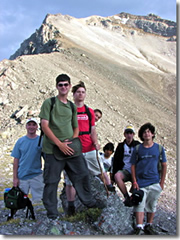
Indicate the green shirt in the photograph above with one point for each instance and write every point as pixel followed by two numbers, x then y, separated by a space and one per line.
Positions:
pixel 62 121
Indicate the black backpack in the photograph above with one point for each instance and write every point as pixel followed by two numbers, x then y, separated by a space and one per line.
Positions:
pixel 16 199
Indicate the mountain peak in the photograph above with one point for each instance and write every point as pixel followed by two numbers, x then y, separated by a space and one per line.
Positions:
pixel 48 38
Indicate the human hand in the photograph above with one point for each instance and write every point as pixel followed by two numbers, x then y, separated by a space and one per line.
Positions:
pixel 135 185
pixel 15 182
pixel 97 146
pixel 65 148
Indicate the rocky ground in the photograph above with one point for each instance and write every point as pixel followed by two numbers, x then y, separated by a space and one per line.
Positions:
pixel 86 223
pixel 131 78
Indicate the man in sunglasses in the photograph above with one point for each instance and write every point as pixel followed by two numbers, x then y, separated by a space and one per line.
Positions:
pixel 59 125
pixel 121 162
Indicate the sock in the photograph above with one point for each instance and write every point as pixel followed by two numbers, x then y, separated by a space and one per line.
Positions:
pixel 140 226
pixel 70 203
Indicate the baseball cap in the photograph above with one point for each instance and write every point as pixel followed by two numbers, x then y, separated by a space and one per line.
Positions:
pixel 137 197
pixel 32 120
pixel 129 128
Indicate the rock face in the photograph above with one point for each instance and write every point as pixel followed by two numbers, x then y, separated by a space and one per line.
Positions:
pixel 151 24
pixel 47 38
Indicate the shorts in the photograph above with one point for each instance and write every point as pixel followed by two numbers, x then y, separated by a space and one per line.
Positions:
pixel 92 164
pixel 150 199
pixel 127 175
pixel 34 185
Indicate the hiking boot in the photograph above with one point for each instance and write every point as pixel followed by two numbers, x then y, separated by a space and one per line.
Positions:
pixel 149 230
pixel 71 211
pixel 99 204
pixel 138 231
pixel 111 188
pixel 128 202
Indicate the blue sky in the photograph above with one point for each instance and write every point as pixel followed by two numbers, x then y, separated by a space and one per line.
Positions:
pixel 20 18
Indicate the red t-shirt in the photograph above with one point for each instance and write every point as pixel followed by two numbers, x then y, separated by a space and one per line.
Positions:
pixel 83 122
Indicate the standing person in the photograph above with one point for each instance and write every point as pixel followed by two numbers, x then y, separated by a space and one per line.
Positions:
pixel 90 145
pixel 145 176
pixel 59 126
pixel 98 114
pixel 27 172
pixel 121 162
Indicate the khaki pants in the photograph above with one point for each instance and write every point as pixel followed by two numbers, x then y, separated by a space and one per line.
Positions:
pixel 34 185
pixel 150 199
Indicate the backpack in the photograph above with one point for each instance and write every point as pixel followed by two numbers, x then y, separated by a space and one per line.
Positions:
pixel 160 157
pixel 16 199
pixel 87 111
pixel 52 105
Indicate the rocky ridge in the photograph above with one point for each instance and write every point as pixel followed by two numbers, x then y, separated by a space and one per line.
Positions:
pixel 47 38
pixel 130 77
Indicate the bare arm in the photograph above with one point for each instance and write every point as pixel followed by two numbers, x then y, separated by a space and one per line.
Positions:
pixel 94 137
pixel 62 145
pixel 76 132
pixel 163 174
pixel 133 174
pixel 15 172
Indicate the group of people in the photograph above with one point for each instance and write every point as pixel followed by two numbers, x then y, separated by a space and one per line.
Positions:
pixel 60 124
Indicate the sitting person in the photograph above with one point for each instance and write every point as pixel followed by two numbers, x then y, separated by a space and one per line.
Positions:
pixel 106 157
pixel 121 162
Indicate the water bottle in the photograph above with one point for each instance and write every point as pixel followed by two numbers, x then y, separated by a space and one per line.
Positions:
pixel 6 190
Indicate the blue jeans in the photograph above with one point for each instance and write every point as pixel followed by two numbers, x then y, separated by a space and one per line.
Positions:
pixel 78 173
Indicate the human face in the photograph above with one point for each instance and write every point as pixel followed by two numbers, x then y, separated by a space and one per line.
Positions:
pixel 129 135
pixel 63 87
pixel 147 135
pixel 107 153
pixel 31 127
pixel 79 95
pixel 97 116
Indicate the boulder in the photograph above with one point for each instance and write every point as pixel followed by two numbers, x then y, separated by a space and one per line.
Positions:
pixel 115 219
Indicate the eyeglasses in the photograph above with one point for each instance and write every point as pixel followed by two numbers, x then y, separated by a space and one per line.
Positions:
pixel 61 84
pixel 129 132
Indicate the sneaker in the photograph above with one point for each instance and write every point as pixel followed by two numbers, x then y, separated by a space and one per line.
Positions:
pixel 71 211
pixel 138 231
pixel 111 188
pixel 99 204
pixel 128 202
pixel 149 230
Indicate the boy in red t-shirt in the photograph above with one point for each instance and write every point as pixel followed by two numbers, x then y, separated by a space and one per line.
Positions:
pixel 89 140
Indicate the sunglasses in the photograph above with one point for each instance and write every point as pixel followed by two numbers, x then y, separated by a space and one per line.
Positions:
pixel 129 132
pixel 63 85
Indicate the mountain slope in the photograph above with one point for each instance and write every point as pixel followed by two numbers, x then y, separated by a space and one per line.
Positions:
pixel 129 74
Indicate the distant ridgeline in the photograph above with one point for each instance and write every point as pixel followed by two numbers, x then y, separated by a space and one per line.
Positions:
pixel 48 38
